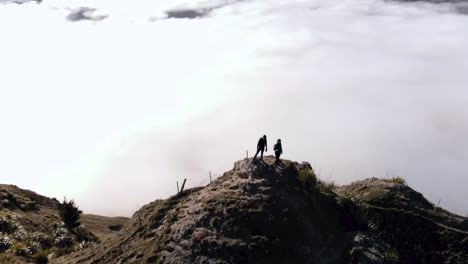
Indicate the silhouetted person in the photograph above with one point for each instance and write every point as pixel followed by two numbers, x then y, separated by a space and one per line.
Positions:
pixel 278 151
pixel 261 145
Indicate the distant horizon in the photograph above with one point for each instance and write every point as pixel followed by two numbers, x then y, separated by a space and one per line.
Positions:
pixel 110 103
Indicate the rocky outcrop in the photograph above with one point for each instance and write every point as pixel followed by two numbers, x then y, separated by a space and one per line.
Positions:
pixel 261 213
pixel 388 193
pixel 255 213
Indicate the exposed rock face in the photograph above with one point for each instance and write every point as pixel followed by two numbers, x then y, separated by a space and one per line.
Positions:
pixel 368 248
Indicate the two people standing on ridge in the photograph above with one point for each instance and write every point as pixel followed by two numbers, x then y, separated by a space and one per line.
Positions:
pixel 262 146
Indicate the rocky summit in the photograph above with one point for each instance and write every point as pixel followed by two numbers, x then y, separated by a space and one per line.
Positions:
pixel 261 213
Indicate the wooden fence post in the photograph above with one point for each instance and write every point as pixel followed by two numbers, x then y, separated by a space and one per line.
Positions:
pixel 183 185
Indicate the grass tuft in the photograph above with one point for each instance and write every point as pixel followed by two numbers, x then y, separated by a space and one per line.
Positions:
pixel 308 178
pixel 396 179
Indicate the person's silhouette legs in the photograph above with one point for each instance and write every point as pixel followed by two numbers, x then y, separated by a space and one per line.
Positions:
pixel 277 161
pixel 258 150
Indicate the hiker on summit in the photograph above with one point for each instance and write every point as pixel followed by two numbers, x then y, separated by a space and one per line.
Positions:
pixel 278 151
pixel 261 145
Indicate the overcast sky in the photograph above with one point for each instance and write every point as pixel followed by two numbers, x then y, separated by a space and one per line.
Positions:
pixel 112 102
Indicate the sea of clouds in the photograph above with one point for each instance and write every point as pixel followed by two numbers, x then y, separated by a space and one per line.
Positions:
pixel 112 102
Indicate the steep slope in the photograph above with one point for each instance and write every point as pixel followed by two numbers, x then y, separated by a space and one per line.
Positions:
pixel 15 198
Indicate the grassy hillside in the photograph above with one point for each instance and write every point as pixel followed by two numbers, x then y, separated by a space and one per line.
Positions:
pixel 32 231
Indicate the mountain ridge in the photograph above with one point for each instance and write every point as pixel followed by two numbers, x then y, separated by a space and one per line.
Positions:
pixel 259 213
pixel 255 213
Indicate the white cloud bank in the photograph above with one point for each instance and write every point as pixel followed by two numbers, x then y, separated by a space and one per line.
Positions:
pixel 112 113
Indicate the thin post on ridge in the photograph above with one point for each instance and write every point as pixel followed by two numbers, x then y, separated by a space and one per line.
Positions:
pixel 183 185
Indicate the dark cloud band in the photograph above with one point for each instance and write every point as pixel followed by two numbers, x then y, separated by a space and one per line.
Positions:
pixel 83 14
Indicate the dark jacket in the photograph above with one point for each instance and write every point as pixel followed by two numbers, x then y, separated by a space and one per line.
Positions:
pixel 278 148
pixel 262 143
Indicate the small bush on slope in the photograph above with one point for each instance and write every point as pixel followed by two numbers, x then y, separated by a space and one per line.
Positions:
pixel 41 257
pixel 308 178
pixel 326 186
pixel 70 214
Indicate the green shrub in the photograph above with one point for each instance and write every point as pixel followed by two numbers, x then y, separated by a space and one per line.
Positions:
pixel 20 234
pixel 25 249
pixel 30 206
pixel 7 225
pixel 62 251
pixel 63 241
pixel 69 213
pixel 391 257
pixel 326 187
pixel 41 257
pixel 32 247
pixel 19 249
pixel 308 178
pixel 43 240
pixel 11 200
pixel 290 171
pixel 5 242
pixel 396 179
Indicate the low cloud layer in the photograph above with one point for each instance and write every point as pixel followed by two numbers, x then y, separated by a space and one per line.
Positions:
pixel 357 88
